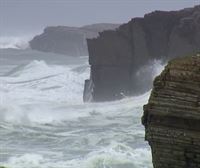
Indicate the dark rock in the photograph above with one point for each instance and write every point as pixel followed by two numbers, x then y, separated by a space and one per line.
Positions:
pixel 104 86
pixel 68 40
pixel 172 115
pixel 87 91
pixel 116 56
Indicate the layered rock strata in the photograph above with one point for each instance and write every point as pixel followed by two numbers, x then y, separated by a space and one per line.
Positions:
pixel 172 115
pixel 66 40
pixel 117 57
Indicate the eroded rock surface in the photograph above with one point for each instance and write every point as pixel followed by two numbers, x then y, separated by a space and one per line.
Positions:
pixel 172 115
pixel 118 56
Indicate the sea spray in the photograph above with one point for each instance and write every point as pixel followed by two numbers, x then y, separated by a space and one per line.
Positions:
pixel 45 124
pixel 15 42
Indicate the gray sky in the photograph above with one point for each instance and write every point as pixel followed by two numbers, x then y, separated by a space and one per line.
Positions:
pixel 22 16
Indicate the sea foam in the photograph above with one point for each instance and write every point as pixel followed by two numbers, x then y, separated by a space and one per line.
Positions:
pixel 45 124
pixel 115 155
pixel 15 42
pixel 37 86
pixel 54 89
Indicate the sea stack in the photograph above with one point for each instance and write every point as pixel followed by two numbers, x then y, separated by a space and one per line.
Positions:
pixel 172 115
pixel 119 58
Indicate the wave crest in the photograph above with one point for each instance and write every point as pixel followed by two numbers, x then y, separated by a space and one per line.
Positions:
pixel 113 156
pixel 15 42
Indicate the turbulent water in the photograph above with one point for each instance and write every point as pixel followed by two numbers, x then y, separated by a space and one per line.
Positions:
pixel 45 124
pixel 17 42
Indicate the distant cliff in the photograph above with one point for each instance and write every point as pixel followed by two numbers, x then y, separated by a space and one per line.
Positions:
pixel 68 40
pixel 172 115
pixel 116 56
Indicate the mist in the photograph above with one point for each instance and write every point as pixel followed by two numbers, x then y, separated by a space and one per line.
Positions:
pixel 73 96
pixel 30 16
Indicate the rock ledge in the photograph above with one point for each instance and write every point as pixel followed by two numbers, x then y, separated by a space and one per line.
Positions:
pixel 172 115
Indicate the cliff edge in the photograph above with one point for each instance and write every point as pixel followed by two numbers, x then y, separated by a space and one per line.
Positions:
pixel 118 57
pixel 172 115
pixel 66 40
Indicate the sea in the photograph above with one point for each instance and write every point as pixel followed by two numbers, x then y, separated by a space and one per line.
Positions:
pixel 44 122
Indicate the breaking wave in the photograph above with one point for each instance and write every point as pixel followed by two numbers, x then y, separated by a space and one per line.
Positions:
pixel 115 155
pixel 15 42
pixel 55 90
pixel 37 86
pixel 45 124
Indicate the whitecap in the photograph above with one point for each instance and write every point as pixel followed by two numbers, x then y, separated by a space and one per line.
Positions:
pixel 15 42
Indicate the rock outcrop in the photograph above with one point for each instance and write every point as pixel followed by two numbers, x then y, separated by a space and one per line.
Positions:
pixel 172 115
pixel 68 40
pixel 118 56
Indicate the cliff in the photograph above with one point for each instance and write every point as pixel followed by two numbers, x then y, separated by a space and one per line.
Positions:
pixel 172 115
pixel 118 56
pixel 68 40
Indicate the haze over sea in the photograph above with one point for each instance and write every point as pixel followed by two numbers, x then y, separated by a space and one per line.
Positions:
pixel 45 124
pixel 43 120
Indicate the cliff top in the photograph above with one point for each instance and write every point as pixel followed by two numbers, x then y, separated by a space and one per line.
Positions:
pixel 93 27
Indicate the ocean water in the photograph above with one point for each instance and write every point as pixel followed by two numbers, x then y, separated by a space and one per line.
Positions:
pixel 16 42
pixel 45 124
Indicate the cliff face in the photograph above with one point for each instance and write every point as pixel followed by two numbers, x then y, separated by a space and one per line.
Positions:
pixel 172 115
pixel 117 55
pixel 68 40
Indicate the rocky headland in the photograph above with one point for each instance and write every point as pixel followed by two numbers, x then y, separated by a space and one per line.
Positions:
pixel 172 115
pixel 118 57
pixel 69 41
